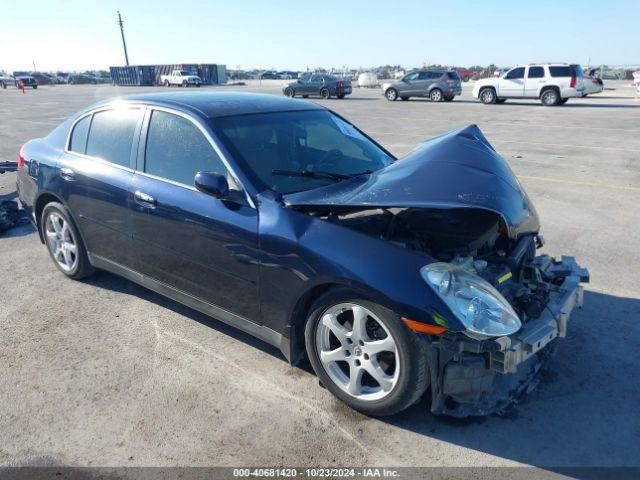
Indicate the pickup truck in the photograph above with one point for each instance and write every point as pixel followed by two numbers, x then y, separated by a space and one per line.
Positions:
pixel 6 79
pixel 180 78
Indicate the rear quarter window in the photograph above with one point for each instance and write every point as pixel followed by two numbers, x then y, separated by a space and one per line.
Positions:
pixel 561 71
pixel 453 75
pixel 111 135
pixel 78 141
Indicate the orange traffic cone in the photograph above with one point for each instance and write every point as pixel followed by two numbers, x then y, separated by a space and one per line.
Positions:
pixel 22 83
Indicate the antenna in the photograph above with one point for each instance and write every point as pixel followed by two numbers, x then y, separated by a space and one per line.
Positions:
pixel 124 44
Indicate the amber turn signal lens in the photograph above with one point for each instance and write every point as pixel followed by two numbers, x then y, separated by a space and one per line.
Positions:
pixel 420 327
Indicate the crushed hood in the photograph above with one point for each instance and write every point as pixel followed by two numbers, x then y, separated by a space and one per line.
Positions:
pixel 459 169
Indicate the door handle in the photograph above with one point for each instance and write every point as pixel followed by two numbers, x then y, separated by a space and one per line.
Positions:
pixel 67 174
pixel 144 199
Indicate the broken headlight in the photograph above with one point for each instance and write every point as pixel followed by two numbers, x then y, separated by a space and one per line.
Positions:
pixel 481 308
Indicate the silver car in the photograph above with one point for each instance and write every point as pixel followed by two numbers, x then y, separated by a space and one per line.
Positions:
pixel 438 85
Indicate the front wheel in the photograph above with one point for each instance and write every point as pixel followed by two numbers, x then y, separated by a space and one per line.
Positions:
pixel 391 94
pixel 288 92
pixel 185 84
pixel 35 86
pixel 488 96
pixel 325 94
pixel 64 242
pixel 436 95
pixel 364 354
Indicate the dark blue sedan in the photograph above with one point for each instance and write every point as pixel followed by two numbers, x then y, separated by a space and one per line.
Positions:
pixel 283 219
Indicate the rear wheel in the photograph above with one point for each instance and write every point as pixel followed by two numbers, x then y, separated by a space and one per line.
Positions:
pixel 166 83
pixel 364 354
pixel 64 242
pixel 391 94
pixel 487 96
pixel 4 85
pixel 185 84
pixel 288 92
pixel 35 86
pixel 465 78
pixel 550 97
pixel 436 95
pixel 325 94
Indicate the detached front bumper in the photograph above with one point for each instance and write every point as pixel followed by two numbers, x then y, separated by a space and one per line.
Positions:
pixel 472 377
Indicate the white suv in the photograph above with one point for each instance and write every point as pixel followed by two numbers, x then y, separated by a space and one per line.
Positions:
pixel 552 83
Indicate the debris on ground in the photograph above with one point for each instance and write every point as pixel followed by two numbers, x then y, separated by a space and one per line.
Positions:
pixel 11 215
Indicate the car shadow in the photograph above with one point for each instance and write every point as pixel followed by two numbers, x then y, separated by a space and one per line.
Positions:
pixel 583 413
pixel 109 281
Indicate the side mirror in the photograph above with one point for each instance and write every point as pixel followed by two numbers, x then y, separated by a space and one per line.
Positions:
pixel 212 184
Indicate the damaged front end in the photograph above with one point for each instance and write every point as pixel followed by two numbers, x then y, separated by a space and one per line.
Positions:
pixel 455 201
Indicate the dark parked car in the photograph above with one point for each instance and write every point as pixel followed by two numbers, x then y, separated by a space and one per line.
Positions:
pixel 284 220
pixel 318 84
pixel 438 85
pixel 82 79
pixel 26 80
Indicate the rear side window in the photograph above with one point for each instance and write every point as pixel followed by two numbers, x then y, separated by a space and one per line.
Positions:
pixel 536 72
pixel 177 149
pixel 516 73
pixel 78 142
pixel 111 135
pixel 453 75
pixel 561 71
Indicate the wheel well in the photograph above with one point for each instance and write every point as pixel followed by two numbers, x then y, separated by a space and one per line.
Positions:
pixel 299 317
pixel 488 87
pixel 41 202
pixel 549 87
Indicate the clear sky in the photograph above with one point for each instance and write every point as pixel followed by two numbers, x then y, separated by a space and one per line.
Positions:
pixel 296 34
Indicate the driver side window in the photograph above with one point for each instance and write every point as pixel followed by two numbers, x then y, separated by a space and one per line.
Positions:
pixel 515 73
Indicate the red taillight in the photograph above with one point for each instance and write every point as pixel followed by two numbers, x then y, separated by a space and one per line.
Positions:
pixel 573 82
pixel 21 156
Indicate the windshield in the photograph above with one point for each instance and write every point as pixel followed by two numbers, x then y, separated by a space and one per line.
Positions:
pixel 184 73
pixel 295 151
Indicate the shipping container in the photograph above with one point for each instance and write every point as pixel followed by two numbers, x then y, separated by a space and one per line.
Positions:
pixel 147 75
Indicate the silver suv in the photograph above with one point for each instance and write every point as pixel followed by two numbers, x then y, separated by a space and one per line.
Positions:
pixel 552 83
pixel 438 85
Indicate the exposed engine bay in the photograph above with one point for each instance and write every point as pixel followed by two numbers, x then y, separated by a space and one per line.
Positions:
pixel 476 376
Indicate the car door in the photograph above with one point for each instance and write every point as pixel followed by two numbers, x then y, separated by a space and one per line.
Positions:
pixel 314 85
pixel 202 246
pixel 534 81
pixel 408 85
pixel 423 82
pixel 512 83
pixel 96 170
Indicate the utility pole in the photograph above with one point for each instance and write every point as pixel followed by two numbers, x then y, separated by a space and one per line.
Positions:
pixel 124 44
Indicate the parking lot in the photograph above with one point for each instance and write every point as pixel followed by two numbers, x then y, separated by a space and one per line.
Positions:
pixel 103 372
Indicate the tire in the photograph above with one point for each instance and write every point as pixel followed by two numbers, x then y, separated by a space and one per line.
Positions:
pixel 185 84
pixel 198 85
pixel 550 97
pixel 288 92
pixel 403 372
pixel 167 84
pixel 325 93
pixel 404 99
pixel 436 95
pixel 391 94
pixel 35 86
pixel 465 78
pixel 501 100
pixel 448 99
pixel 341 96
pixel 563 101
pixel 60 239
pixel 4 86
pixel 487 96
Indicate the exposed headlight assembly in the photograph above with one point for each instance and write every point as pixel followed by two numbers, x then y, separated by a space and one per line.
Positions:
pixel 481 308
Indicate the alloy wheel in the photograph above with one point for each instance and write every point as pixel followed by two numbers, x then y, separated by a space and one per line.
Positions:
pixel 61 242
pixel 357 351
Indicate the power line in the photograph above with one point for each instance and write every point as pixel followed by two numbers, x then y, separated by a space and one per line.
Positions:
pixel 124 44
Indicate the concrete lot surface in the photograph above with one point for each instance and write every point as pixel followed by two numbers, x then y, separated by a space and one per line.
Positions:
pixel 103 372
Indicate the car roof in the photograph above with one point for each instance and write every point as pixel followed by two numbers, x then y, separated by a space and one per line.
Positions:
pixel 223 104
